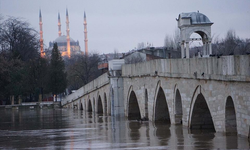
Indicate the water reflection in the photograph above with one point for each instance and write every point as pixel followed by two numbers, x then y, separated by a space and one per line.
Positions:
pixel 134 127
pixel 179 136
pixel 71 129
pixel 162 132
pixel 22 129
pixel 203 140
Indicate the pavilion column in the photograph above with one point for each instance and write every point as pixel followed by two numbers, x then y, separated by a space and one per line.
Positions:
pixel 182 50
pixel 187 49
pixel 204 49
pixel 210 47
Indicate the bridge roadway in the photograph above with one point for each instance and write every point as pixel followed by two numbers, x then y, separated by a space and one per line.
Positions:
pixel 208 93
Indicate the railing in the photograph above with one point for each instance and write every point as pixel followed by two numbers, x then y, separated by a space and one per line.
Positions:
pixel 91 86
pixel 233 68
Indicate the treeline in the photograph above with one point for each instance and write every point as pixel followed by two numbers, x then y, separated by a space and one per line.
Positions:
pixel 231 44
pixel 28 77
pixel 24 75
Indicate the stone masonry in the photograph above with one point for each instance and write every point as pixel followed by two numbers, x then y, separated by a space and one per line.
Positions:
pixel 219 85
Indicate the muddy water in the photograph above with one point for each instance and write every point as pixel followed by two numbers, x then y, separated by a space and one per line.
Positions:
pixel 69 129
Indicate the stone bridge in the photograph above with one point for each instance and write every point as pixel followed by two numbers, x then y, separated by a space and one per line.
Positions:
pixel 200 93
pixel 103 95
pixel 89 96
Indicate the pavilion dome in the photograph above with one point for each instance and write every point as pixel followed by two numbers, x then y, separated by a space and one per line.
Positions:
pixel 196 18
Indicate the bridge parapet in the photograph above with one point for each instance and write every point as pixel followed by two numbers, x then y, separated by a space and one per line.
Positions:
pixel 88 88
pixel 226 68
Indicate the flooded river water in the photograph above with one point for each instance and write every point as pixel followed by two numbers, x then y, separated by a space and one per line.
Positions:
pixel 73 129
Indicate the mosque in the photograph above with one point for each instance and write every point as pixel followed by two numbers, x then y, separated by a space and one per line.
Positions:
pixel 66 45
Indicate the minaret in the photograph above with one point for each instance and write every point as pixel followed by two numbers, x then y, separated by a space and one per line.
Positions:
pixel 85 34
pixel 67 30
pixel 41 34
pixel 59 25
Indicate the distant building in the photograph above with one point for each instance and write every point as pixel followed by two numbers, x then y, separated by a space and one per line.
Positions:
pixel 150 53
pixel 103 65
pixel 141 55
pixel 162 52
pixel 137 57
pixel 62 46
pixel 66 45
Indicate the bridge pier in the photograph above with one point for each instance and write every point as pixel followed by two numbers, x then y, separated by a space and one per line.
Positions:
pixel 116 88
pixel 117 103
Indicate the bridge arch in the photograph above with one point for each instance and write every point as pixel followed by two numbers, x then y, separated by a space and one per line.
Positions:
pixel 105 103
pixel 109 99
pixel 86 103
pixel 177 106
pixel 230 116
pixel 200 31
pixel 133 106
pixel 94 105
pixel 81 106
pixel 99 105
pixel 89 106
pixel 127 100
pixel 146 103
pixel 161 111
pixel 200 115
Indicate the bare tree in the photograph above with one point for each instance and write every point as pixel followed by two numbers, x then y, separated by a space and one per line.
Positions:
pixel 18 45
pixel 141 45
pixel 173 41
pixel 177 38
pixel 168 42
pixel 116 54
pixel 82 69
pixel 20 40
pixel 217 46
pixel 245 46
pixel 231 42
pixel 9 76
pixel 231 45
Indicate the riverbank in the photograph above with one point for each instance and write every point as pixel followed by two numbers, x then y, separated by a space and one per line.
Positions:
pixel 32 105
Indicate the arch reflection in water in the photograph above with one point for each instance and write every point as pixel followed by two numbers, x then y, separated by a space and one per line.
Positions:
pixel 162 132
pixel 203 140
pixel 180 143
pixel 65 129
pixel 134 132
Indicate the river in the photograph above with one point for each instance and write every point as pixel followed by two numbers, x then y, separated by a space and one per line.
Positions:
pixel 75 129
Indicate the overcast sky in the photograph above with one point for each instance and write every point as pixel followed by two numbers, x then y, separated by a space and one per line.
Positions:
pixel 122 24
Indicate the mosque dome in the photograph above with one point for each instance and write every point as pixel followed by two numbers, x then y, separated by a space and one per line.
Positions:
pixel 63 39
pixel 196 18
